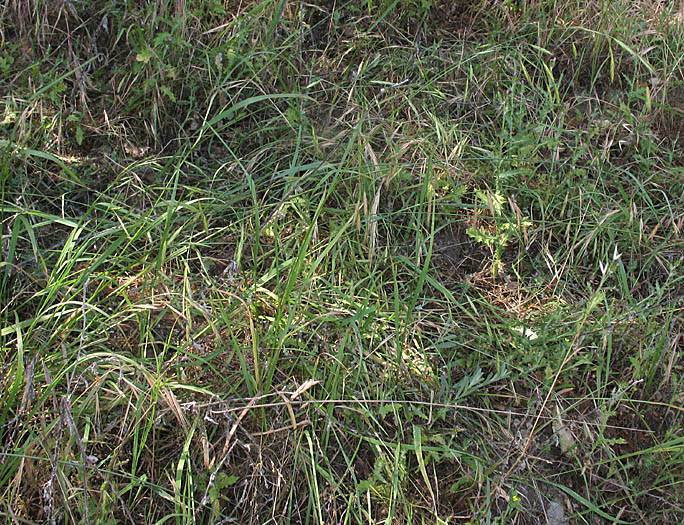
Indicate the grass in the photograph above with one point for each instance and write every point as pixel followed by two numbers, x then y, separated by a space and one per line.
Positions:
pixel 353 262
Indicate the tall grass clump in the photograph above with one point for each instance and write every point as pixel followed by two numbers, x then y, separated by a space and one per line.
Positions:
pixel 342 262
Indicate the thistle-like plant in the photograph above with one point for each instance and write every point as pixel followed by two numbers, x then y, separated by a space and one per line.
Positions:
pixel 505 227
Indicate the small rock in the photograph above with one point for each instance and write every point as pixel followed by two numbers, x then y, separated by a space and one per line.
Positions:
pixel 555 514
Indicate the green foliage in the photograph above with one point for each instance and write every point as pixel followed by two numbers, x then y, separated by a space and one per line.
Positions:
pixel 505 228
pixel 240 262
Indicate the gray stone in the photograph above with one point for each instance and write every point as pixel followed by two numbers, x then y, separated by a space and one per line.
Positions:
pixel 555 514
